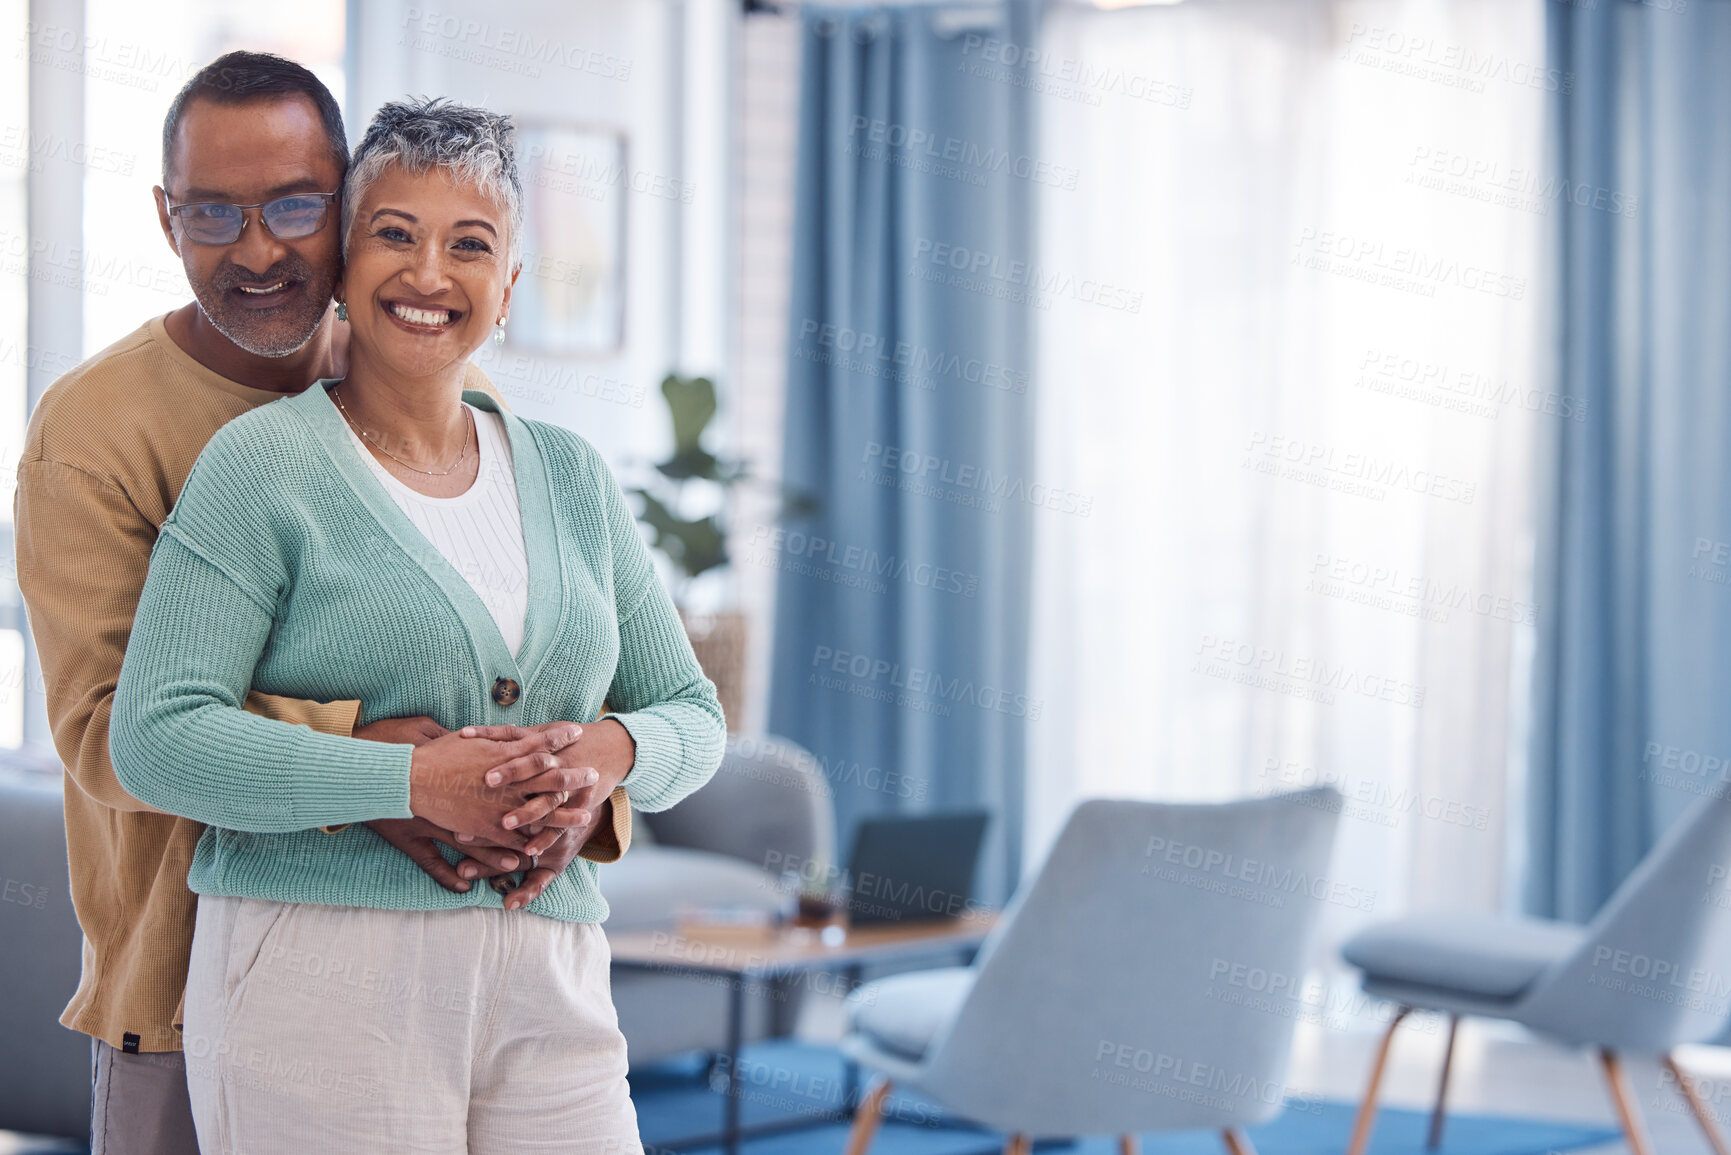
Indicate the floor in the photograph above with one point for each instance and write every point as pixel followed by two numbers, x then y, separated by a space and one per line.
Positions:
pixel 1501 1070
pixel 1498 1071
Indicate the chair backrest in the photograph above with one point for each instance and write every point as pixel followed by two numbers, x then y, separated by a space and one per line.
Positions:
pixel 45 1070
pixel 1151 975
pixel 768 804
pixel 1654 970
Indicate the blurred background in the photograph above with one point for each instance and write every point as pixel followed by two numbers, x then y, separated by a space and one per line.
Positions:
pixel 1175 401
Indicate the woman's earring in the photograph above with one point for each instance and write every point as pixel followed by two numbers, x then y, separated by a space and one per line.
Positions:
pixel 342 310
pixel 499 332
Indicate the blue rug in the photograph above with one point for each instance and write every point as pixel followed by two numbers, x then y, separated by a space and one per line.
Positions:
pixel 786 1081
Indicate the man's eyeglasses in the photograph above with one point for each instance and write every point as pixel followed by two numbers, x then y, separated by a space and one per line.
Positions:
pixel 288 218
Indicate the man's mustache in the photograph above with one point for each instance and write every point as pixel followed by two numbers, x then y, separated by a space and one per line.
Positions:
pixel 288 269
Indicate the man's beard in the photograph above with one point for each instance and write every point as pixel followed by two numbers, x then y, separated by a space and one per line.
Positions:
pixel 277 332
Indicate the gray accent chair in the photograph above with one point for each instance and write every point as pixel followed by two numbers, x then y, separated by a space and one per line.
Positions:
pixel 1105 1000
pixel 768 806
pixel 1650 973
pixel 46 1085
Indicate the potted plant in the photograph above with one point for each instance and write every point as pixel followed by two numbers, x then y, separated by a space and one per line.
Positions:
pixel 697 545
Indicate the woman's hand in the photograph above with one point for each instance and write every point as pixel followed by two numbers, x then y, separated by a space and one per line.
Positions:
pixel 605 747
pixel 494 790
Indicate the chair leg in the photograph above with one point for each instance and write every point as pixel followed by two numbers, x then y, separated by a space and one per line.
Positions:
pixel 1442 1090
pixel 1361 1126
pixel 1237 1142
pixel 867 1118
pixel 1627 1112
pixel 1702 1115
pixel 1129 1145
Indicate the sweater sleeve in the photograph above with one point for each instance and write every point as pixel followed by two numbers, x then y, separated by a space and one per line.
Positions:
pixel 81 610
pixel 180 739
pixel 659 692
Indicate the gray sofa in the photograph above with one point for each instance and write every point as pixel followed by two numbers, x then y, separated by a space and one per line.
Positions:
pixel 768 803
pixel 45 1076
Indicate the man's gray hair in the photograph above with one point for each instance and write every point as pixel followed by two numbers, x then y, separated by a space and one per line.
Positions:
pixel 420 133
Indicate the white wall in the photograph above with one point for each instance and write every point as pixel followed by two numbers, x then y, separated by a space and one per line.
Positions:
pixel 609 65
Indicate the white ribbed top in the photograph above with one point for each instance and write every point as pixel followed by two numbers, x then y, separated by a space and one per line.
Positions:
pixel 479 531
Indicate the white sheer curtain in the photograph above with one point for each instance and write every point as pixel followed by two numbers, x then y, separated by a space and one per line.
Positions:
pixel 1307 443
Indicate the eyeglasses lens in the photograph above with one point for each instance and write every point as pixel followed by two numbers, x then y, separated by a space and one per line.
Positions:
pixel 288 218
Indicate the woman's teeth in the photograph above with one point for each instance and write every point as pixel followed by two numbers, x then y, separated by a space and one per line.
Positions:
pixel 422 316
pixel 276 288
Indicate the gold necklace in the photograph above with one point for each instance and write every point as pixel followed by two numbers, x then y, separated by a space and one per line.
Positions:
pixel 377 444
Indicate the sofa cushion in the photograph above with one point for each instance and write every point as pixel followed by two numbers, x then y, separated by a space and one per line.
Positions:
pixel 1476 954
pixel 646 888
pixel 904 1013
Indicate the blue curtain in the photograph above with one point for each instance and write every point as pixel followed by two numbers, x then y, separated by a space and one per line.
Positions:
pixel 1632 704
pixel 902 594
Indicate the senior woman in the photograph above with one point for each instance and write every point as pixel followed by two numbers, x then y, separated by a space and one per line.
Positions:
pixel 392 539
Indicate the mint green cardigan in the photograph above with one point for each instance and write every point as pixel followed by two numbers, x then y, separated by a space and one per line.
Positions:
pixel 286 567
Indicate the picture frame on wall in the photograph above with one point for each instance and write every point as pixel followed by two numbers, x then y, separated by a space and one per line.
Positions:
pixel 569 300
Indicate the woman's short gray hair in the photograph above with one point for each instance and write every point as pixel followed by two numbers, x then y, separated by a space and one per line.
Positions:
pixel 420 133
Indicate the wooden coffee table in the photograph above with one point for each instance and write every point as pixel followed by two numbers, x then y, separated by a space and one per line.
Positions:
pixel 740 955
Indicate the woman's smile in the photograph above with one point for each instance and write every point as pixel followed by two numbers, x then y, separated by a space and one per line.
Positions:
pixel 422 318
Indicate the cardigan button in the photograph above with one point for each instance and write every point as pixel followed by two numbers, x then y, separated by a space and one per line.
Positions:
pixel 506 691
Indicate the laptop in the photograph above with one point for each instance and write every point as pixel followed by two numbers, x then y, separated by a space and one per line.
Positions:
pixel 913 868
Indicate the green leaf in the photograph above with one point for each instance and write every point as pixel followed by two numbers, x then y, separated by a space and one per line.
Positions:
pixel 693 545
pixel 691 400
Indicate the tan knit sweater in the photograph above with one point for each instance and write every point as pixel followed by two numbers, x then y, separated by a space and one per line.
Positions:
pixel 108 449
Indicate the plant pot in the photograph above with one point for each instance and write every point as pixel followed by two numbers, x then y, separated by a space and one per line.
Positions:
pixel 718 640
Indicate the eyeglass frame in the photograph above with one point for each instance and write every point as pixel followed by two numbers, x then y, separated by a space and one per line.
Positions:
pixel 246 216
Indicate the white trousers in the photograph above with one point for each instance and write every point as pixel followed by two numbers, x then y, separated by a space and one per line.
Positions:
pixel 329 1028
